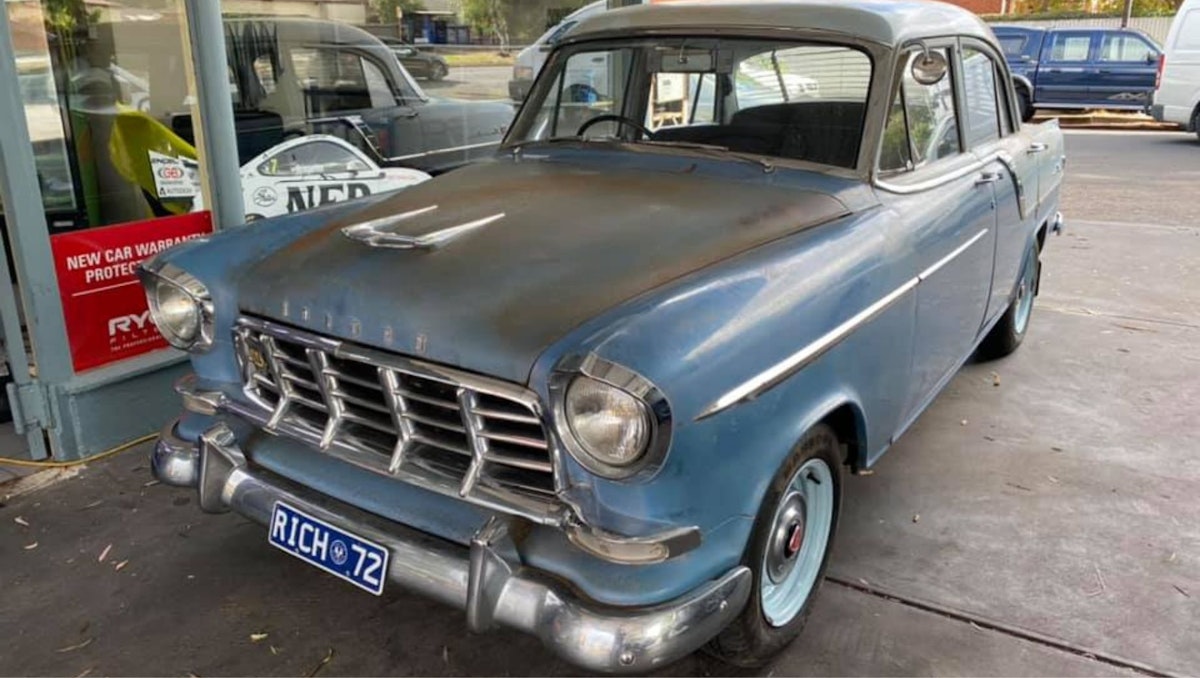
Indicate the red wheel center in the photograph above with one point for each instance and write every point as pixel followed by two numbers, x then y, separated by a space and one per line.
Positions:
pixel 795 539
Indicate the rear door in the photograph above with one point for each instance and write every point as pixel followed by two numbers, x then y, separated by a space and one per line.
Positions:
pixel 1063 71
pixel 1125 68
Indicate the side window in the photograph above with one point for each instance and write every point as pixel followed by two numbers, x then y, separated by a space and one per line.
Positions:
pixel 802 74
pixel 1070 47
pixel 377 85
pixel 1013 45
pixel 314 157
pixel 681 99
pixel 922 126
pixel 979 84
pixel 1126 48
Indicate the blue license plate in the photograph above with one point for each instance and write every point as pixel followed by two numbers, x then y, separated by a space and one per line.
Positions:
pixel 359 561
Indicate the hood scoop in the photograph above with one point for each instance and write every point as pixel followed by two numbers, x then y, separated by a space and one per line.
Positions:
pixel 386 232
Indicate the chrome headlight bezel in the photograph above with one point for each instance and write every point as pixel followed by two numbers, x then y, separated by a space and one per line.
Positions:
pixel 653 404
pixel 154 275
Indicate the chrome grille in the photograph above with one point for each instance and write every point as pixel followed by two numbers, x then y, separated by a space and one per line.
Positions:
pixel 454 432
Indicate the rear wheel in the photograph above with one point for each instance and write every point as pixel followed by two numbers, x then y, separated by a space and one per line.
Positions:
pixel 788 552
pixel 438 71
pixel 1196 122
pixel 1008 334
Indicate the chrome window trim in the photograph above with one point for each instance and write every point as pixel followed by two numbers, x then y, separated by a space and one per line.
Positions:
pixel 657 407
pixel 274 420
pixel 780 371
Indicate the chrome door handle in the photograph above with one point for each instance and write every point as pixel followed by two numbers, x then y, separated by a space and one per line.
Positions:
pixel 1036 147
pixel 988 178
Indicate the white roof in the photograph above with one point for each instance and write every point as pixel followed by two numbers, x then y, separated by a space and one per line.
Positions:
pixel 888 22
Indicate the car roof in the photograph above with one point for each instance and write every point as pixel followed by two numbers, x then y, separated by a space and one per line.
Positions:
pixel 887 22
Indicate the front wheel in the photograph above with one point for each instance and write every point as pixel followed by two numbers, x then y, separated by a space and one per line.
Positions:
pixel 1008 334
pixel 788 552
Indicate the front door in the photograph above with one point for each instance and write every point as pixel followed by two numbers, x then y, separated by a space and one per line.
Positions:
pixel 1063 72
pixel 1125 67
pixel 944 201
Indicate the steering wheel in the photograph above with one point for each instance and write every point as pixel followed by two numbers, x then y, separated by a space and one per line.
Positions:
pixel 609 117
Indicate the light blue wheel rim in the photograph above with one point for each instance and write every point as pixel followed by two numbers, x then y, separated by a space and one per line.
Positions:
pixel 1025 292
pixel 788 581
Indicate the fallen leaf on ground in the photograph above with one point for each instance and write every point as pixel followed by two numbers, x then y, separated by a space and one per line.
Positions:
pixel 328 658
pixel 94 504
pixel 274 650
pixel 76 646
pixel 104 553
pixel 916 517
pixel 86 672
pixel 30 547
pixel 1056 449
pixel 1019 487
pixel 121 564
pixel 1181 590
pixel 150 483
pixel 21 521
pixel 995 378
pixel 256 637
pixel 1052 479
pixel 1172 557
pixel 963 422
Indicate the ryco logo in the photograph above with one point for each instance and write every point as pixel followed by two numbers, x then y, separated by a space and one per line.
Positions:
pixel 128 323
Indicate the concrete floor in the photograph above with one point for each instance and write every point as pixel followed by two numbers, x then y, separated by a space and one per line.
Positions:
pixel 1047 525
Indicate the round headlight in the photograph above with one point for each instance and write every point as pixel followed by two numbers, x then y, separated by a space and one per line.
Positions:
pixel 180 306
pixel 176 314
pixel 611 425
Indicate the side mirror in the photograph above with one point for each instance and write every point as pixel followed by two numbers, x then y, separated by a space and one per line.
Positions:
pixel 929 68
pixel 1151 58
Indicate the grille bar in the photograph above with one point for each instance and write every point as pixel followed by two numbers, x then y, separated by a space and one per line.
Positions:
pixel 456 433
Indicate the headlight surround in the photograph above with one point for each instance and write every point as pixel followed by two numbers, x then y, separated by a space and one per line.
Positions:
pixel 180 306
pixel 611 420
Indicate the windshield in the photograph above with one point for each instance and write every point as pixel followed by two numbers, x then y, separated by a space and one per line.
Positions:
pixel 779 99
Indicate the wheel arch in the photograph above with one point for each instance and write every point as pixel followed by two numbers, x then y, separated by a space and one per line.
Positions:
pixel 849 424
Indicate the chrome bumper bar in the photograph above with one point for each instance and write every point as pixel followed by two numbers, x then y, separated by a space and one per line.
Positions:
pixel 486 579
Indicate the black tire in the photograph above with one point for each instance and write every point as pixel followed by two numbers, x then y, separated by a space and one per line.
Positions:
pixel 750 640
pixel 438 71
pixel 1196 123
pixel 1024 104
pixel 1006 336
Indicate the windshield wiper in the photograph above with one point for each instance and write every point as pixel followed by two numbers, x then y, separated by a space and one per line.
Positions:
pixel 714 151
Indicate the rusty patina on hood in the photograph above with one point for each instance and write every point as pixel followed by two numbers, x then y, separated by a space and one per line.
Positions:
pixel 573 243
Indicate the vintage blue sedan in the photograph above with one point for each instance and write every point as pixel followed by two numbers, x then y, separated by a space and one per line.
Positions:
pixel 604 387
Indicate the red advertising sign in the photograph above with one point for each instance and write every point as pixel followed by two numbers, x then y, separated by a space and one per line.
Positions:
pixel 103 303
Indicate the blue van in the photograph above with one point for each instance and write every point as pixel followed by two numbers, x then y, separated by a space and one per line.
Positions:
pixel 1080 67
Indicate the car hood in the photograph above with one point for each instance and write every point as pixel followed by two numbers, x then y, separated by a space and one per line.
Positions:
pixel 572 243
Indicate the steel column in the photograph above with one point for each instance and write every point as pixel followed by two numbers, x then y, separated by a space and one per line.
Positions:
pixel 212 112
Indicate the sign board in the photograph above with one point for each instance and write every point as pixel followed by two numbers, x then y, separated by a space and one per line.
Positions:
pixel 103 304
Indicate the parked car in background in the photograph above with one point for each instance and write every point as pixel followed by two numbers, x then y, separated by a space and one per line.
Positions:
pixel 604 388
pixel 418 62
pixel 1111 68
pixel 530 60
pixel 1177 98
pixel 293 76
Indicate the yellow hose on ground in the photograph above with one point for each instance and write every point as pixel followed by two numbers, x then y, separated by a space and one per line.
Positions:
pixel 67 464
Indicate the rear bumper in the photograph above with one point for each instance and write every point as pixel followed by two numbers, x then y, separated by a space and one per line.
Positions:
pixel 485 580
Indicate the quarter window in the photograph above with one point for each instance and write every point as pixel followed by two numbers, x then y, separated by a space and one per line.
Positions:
pixel 1126 48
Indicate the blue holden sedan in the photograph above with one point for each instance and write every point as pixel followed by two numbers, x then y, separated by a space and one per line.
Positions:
pixel 604 386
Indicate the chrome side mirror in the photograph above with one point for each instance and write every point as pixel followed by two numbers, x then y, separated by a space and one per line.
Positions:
pixel 930 67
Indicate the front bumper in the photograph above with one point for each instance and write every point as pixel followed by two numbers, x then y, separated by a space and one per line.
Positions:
pixel 486 579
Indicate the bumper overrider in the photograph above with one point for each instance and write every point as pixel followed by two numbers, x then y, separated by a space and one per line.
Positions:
pixel 485 580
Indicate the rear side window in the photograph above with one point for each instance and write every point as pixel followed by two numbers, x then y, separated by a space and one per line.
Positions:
pixel 1070 46
pixel 1118 47
pixel 1188 36
pixel 1013 45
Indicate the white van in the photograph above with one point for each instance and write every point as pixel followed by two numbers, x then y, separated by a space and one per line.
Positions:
pixel 1178 97
pixel 532 58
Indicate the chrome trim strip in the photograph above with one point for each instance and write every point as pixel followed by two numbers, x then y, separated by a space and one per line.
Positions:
pixel 485 579
pixel 439 151
pixel 777 373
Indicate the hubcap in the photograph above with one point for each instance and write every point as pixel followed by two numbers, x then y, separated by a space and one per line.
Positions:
pixel 800 535
pixel 1025 292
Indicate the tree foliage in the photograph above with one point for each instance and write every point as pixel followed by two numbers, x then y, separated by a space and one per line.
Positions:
pixel 489 17
pixel 1085 8
pixel 385 10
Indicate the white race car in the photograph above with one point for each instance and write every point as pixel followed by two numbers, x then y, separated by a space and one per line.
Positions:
pixel 297 175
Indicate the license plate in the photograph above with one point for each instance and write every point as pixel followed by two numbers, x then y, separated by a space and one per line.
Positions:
pixel 359 561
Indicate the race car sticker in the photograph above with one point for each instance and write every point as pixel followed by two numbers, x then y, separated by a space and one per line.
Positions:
pixel 173 178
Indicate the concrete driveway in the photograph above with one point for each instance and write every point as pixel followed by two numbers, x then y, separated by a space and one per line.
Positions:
pixel 1041 518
